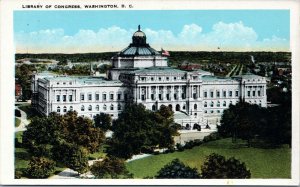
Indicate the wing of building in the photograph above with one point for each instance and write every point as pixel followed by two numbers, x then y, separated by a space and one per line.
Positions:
pixel 141 74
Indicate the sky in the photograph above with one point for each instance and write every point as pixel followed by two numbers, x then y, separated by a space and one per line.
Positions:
pixel 173 30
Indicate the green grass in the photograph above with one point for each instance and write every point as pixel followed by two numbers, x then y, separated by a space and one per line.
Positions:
pixel 17 122
pixel 100 154
pixel 263 163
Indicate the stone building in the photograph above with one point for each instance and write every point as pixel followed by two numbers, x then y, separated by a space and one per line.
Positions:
pixel 141 74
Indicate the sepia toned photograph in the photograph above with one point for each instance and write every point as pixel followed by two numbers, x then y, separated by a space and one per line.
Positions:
pixel 116 91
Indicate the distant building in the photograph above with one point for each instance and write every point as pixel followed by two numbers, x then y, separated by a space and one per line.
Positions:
pixel 18 91
pixel 140 74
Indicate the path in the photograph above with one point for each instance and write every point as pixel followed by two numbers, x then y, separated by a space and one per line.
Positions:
pixel 24 121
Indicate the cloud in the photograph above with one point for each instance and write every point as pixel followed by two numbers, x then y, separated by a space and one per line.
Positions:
pixel 227 36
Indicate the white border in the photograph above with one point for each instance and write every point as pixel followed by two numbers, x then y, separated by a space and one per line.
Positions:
pixel 7 52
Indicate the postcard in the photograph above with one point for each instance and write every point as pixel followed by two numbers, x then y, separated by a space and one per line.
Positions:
pixel 150 92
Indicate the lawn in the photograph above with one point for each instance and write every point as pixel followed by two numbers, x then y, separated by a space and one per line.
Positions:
pixel 263 163
pixel 17 122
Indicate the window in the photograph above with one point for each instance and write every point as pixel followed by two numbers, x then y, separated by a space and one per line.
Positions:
pixel 167 78
pixel 125 97
pixel 248 93
pixel 111 96
pixel 97 97
pixel 119 96
pixel 175 78
pixel 224 103
pixel 236 93
pixel 205 104
pixel 159 78
pixel 230 93
pixel 195 95
pixel 104 97
pixel 211 94
pixel 195 106
pixel 183 108
pixel 152 97
pixel 258 93
pixel 153 108
pixel 90 97
pixel 111 107
pixel 104 107
pixel 253 93
pixel 218 94
pixel 82 97
pixel 218 104
pixel 65 109
pixel 168 97
pixel 119 107
pixel 97 107
pixel 160 96
pixel 212 104
pixel 82 107
pixel 71 108
pixel 205 111
pixel 218 111
pixel 58 109
pixel 152 79
pixel 70 98
pixel 90 108
pixel 211 111
pixel 205 94
pixel 183 95
pixel 143 97
pixel 64 98
pixel 224 93
pixel 58 98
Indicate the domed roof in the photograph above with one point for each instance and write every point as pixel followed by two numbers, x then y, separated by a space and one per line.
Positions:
pixel 139 33
pixel 139 46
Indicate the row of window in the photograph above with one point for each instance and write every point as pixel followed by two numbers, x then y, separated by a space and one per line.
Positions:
pixel 64 98
pixel 104 96
pixel 218 94
pixel 163 78
pixel 90 108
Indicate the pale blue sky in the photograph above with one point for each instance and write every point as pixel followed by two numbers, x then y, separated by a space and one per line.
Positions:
pixel 96 31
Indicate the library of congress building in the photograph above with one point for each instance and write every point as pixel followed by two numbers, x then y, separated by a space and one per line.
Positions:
pixel 141 74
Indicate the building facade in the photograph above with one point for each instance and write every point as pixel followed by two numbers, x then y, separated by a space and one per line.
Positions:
pixel 141 74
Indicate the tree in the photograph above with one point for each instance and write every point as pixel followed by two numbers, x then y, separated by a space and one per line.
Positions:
pixel 40 167
pixel 103 121
pixel 110 167
pixel 177 170
pixel 77 159
pixel 217 167
pixel 138 128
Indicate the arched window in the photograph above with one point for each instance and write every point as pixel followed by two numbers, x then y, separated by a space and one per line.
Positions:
pixel 183 108
pixel 205 104
pixel 212 104
pixel 224 103
pixel 104 107
pixel 112 107
pixel 97 107
pixel 82 107
pixel 65 109
pixel 153 108
pixel 218 104
pixel 90 107
pixel 58 109
pixel 195 106
pixel 177 107
pixel 71 108
pixel 119 107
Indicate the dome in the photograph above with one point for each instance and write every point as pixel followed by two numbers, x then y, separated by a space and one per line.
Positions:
pixel 139 38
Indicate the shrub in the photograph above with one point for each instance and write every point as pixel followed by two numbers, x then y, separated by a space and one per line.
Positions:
pixel 217 167
pixel 40 167
pixel 177 169
pixel 17 113
pixel 179 147
pixel 18 174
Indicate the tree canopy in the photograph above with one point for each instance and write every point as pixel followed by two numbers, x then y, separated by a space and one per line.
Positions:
pixel 218 167
pixel 137 128
pixel 111 168
pixel 177 170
